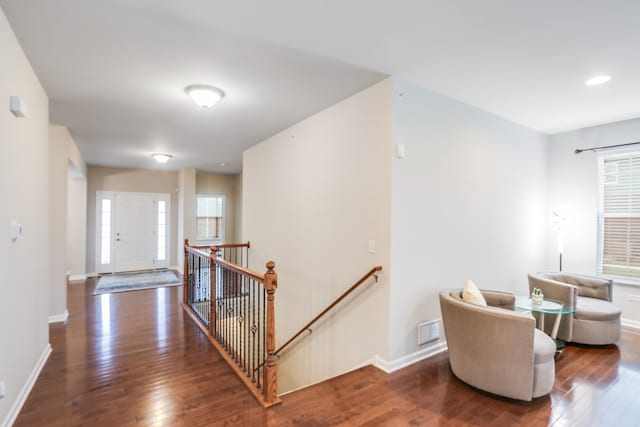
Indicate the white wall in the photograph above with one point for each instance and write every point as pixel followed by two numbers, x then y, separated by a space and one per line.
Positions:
pixel 67 217
pixel 238 208
pixel 24 264
pixel 313 196
pixel 573 181
pixel 468 202
pixel 186 212
pixel 76 211
pixel 58 176
pixel 76 226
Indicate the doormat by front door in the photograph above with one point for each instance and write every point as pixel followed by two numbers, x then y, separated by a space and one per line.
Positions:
pixel 136 281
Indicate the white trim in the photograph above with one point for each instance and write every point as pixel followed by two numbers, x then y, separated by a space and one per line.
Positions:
pixel 409 359
pixel 74 277
pixel 176 268
pixel 56 318
pixel 26 388
pixel 631 324
pixel 626 281
pixel 92 274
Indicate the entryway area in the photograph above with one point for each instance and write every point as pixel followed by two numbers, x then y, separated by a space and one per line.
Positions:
pixel 132 231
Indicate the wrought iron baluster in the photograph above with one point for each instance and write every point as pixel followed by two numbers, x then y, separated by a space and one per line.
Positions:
pixel 254 330
pixel 260 361
pixel 246 342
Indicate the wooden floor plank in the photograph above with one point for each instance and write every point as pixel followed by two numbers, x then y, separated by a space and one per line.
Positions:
pixel 135 359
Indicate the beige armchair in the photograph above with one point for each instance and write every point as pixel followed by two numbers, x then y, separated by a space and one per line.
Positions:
pixel 596 320
pixel 496 349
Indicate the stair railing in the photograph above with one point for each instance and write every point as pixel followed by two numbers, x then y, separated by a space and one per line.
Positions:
pixel 373 272
pixel 235 308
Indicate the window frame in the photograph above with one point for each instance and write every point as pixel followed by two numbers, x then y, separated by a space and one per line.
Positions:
pixel 211 241
pixel 602 158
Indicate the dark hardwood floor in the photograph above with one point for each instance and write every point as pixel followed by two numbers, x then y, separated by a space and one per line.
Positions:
pixel 135 359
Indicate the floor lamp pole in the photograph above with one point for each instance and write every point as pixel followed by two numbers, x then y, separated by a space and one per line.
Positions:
pixel 560 261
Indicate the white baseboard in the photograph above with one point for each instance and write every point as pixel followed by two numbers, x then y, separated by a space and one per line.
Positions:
pixel 385 366
pixel 94 274
pixel 176 268
pixel 74 277
pixel 409 359
pixel 55 318
pixel 628 323
pixel 26 389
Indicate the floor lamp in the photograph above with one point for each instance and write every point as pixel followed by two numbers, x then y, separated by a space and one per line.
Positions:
pixel 560 215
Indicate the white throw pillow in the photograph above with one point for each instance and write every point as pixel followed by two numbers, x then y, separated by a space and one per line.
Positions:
pixel 472 294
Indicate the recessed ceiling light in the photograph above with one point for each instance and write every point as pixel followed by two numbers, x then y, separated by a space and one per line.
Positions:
pixel 597 80
pixel 161 157
pixel 204 96
pixel 224 163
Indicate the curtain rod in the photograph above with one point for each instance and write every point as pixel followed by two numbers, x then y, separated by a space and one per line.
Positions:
pixel 594 149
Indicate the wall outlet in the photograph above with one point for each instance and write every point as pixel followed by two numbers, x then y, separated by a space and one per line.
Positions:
pixel 3 389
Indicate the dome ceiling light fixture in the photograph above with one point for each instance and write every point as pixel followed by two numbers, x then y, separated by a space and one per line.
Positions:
pixel 161 157
pixel 203 95
pixel 597 80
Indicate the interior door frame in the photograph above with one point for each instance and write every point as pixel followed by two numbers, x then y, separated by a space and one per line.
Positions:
pixel 112 195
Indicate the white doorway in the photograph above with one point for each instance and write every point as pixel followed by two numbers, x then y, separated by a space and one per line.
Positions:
pixel 132 231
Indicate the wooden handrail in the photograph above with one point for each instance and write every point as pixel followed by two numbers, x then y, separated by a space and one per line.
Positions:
pixel 371 272
pixel 232 245
pixel 197 251
pixel 244 271
pixel 223 246
pixel 228 265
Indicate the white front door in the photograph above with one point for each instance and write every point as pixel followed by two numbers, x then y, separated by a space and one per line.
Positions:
pixel 132 231
pixel 133 249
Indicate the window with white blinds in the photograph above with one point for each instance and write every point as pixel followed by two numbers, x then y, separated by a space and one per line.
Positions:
pixel 209 217
pixel 619 217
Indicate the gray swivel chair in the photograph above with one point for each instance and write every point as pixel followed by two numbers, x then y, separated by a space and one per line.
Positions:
pixel 495 348
pixel 596 320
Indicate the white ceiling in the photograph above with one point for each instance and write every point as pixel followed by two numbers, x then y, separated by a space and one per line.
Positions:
pixel 115 70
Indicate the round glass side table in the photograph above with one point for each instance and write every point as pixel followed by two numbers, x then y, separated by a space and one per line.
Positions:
pixel 547 306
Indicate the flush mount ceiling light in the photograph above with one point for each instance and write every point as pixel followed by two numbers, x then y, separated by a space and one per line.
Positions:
pixel 204 96
pixel 161 157
pixel 597 80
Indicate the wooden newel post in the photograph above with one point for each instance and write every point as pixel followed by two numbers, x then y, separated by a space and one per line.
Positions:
pixel 270 370
pixel 185 272
pixel 212 290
